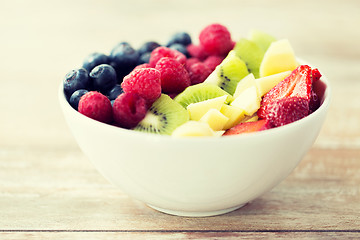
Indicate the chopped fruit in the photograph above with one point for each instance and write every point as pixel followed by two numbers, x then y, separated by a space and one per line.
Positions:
pixel 193 129
pixel 315 75
pixel 264 84
pixel 314 102
pixel 163 117
pixel 213 61
pixel 300 76
pixel 251 54
pixel 146 82
pixel 215 119
pixel 200 92
pixel 252 119
pixel 248 127
pixel 197 110
pixel 287 110
pixel 216 39
pixel 234 114
pixel 244 84
pixel 198 72
pixel 278 58
pixel 161 52
pixel 174 77
pixel 248 100
pixel 129 109
pixel 228 73
pixel 197 51
pixel 262 39
pixel 96 106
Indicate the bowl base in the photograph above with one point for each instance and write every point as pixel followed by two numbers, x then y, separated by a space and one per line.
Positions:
pixel 196 214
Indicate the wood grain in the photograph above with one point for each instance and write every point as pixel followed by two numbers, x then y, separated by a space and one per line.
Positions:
pixel 49 190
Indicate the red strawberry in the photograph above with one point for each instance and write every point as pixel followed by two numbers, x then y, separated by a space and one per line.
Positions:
pixel 247 127
pixel 315 74
pixel 297 84
pixel 287 110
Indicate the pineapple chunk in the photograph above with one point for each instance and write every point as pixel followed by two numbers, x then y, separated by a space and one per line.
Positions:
pixel 264 84
pixel 197 110
pixel 193 129
pixel 248 100
pixel 215 119
pixel 234 114
pixel 245 83
pixel 278 58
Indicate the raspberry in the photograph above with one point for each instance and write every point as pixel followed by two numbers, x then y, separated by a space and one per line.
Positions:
pixel 191 61
pixel 213 61
pixel 198 72
pixel 197 51
pixel 216 39
pixel 174 77
pixel 144 65
pixel 96 106
pixel 145 82
pixel 161 52
pixel 129 109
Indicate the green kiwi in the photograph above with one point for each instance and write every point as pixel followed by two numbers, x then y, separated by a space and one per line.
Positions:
pixel 229 73
pixel 200 92
pixel 251 54
pixel 163 117
pixel 262 39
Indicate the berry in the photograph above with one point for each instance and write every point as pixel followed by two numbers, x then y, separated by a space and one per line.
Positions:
pixel 315 75
pixel 248 127
pixel 103 78
pixel 123 58
pixel 75 98
pixel 191 61
pixel 213 61
pixel 197 51
pixel 144 58
pixel 144 65
pixel 287 110
pixel 74 80
pixel 96 106
pixel 181 48
pixel 145 82
pixel 297 84
pixel 174 77
pixel 314 102
pixel 216 39
pixel 94 60
pixel 198 72
pixel 182 38
pixel 129 109
pixel 161 52
pixel 115 92
pixel 148 47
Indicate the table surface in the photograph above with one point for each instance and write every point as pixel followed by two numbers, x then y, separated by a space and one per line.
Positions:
pixel 49 189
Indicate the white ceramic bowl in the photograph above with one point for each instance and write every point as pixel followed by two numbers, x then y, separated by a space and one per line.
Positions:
pixel 195 176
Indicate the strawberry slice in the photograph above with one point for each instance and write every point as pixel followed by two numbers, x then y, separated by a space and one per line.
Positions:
pixel 247 127
pixel 297 84
pixel 287 110
pixel 315 75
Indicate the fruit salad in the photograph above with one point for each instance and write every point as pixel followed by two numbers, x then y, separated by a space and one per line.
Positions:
pixel 218 87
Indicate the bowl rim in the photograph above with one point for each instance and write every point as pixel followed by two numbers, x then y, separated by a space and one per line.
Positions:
pixel 157 137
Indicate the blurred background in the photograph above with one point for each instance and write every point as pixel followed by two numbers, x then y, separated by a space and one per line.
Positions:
pixel 42 40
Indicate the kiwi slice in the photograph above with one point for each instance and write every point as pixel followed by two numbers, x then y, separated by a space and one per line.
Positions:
pixel 229 73
pixel 163 117
pixel 262 39
pixel 251 54
pixel 201 92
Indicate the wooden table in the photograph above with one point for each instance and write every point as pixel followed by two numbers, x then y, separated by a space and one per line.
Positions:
pixel 49 190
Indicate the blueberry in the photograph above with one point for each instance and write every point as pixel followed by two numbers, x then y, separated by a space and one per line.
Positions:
pixel 74 80
pixel 123 58
pixel 75 97
pixel 144 58
pixel 148 47
pixel 103 78
pixel 181 48
pixel 94 60
pixel 180 37
pixel 115 92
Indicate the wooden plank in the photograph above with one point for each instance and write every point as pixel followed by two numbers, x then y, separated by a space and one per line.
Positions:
pixel 60 190
pixel 178 235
